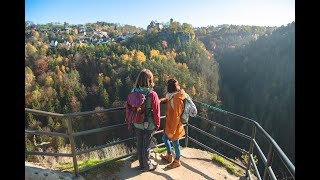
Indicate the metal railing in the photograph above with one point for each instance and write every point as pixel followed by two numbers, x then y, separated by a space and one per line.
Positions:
pixel 267 161
pixel 273 146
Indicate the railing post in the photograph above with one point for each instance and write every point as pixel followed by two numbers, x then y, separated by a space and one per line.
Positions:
pixel 186 140
pixel 251 148
pixel 269 161
pixel 73 147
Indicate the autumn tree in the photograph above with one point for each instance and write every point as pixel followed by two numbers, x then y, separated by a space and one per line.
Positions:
pixel 41 67
pixel 30 49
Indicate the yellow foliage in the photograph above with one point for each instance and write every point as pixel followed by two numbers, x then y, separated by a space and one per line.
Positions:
pixel 193 91
pixel 132 53
pixel 182 66
pixel 29 77
pixel 49 81
pixel 46 46
pixel 183 86
pixel 107 80
pixel 35 34
pixel 154 53
pixel 171 54
pixel 163 57
pixel 70 39
pixel 185 66
pixel 30 49
pixel 60 77
pixel 75 31
pixel 59 59
pixel 82 45
pixel 141 57
pixel 59 73
pixel 63 69
pixel 125 57
pixel 36 94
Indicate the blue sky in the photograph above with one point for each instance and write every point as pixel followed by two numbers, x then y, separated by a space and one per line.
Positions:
pixel 198 13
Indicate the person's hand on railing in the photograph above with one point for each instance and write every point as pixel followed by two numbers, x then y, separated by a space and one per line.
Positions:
pixel 154 131
pixel 163 100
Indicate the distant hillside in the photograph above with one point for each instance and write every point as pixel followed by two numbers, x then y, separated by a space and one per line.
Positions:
pixel 258 81
pixel 221 38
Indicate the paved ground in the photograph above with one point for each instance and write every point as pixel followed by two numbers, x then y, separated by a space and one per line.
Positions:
pixel 196 164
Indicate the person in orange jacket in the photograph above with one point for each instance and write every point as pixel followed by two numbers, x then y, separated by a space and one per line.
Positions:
pixel 173 129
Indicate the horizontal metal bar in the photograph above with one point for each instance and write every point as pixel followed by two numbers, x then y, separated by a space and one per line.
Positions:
pixel 159 145
pixel 104 163
pixel 213 151
pixel 263 157
pixel 99 129
pixel 254 167
pixel 47 153
pixel 226 128
pixel 157 132
pixel 160 131
pixel 162 144
pixel 103 146
pixel 218 139
pixel 95 112
pixel 46 133
pixel 271 173
pixel 44 113
pixel 225 112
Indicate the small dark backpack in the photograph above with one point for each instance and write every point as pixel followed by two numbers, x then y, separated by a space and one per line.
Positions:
pixel 136 108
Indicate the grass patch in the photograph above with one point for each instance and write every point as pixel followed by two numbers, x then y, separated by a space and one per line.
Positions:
pixel 104 171
pixel 83 164
pixel 160 150
pixel 228 165
pixel 163 149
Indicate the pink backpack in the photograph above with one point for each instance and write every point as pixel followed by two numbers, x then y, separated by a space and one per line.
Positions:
pixel 135 108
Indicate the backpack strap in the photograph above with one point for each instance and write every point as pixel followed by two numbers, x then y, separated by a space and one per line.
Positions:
pixel 147 106
pixel 184 106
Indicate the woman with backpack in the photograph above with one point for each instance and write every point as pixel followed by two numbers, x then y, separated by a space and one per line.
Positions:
pixel 151 121
pixel 173 129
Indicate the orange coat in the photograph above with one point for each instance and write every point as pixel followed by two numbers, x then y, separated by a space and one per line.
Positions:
pixel 173 124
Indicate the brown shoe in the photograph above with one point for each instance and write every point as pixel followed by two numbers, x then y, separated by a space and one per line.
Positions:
pixel 151 167
pixel 167 157
pixel 174 164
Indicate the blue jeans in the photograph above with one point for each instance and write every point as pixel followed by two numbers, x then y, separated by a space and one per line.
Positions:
pixel 176 145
